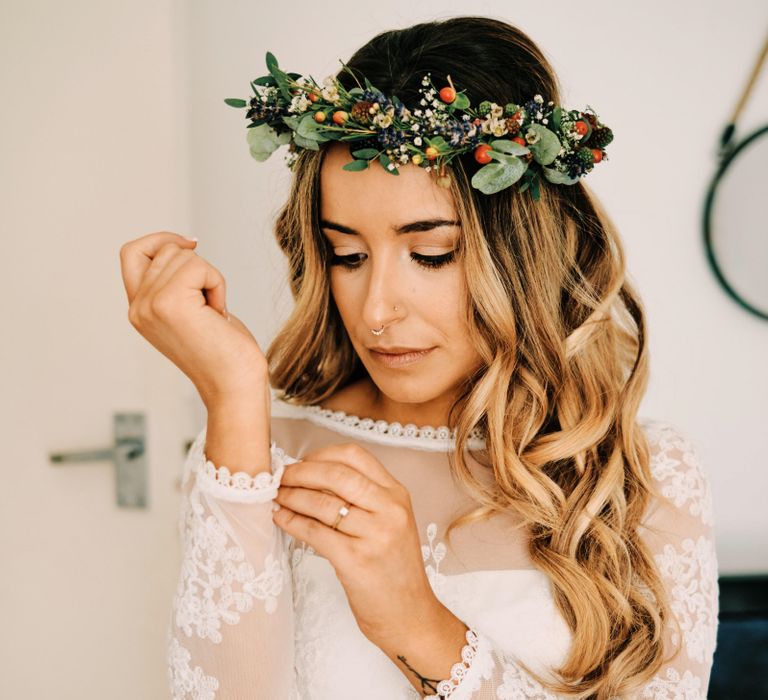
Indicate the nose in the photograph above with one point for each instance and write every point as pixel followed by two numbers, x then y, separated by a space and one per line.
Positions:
pixel 382 304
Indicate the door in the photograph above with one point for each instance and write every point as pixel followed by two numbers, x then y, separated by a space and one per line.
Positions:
pixel 93 154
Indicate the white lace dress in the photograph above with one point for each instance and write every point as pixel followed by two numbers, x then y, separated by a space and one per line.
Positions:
pixel 258 615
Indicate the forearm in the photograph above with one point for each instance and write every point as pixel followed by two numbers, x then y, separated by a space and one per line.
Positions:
pixel 429 650
pixel 238 432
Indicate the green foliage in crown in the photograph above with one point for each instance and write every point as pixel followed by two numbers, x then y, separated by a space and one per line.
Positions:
pixel 514 143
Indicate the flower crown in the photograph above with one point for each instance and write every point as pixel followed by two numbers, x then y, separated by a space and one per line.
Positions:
pixel 512 142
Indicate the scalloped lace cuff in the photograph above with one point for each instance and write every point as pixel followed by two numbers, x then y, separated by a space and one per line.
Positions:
pixel 241 486
pixel 467 675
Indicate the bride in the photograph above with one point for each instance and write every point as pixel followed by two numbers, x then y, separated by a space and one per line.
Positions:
pixel 434 482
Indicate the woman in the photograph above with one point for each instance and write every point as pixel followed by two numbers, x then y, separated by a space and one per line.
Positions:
pixel 470 506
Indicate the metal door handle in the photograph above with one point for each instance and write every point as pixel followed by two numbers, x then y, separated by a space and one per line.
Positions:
pixel 128 455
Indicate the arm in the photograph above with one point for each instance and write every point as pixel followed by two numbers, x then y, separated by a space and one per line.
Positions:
pixel 231 633
pixel 679 532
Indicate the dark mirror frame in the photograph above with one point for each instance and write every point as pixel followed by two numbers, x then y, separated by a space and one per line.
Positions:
pixel 727 158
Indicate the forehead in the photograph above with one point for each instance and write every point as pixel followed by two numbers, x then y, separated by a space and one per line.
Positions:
pixel 353 196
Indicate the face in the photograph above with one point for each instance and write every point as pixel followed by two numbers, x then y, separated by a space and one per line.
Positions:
pixel 392 239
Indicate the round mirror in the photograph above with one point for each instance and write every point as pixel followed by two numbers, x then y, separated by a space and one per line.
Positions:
pixel 736 223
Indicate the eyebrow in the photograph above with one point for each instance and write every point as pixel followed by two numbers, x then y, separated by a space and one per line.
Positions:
pixel 423 225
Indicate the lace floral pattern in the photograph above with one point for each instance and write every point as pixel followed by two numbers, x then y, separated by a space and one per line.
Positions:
pixel 217 583
pixel 677 467
pixel 693 593
pixel 674 686
pixel 187 682
pixel 435 552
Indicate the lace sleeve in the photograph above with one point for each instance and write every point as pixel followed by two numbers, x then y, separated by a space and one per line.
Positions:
pixel 231 632
pixel 678 530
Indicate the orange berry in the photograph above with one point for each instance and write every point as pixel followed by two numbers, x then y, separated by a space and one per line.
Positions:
pixel 313 96
pixel 431 152
pixel 481 153
pixel 447 94
pixel 581 127
pixel 598 154
pixel 319 117
pixel 340 116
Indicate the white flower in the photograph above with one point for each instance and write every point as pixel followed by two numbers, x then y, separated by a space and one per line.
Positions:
pixel 415 127
pixel 417 141
pixel 538 98
pixel 531 136
pixel 382 119
pixel 417 112
pixel 422 102
pixel 428 112
pixel 299 103
pixel 499 129
pixel 496 110
pixel 545 121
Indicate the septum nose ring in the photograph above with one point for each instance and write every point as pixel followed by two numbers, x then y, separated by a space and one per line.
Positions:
pixel 381 330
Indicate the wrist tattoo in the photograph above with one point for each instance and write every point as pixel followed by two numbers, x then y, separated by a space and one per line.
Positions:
pixel 422 679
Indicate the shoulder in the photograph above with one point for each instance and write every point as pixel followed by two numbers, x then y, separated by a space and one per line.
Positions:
pixel 677 469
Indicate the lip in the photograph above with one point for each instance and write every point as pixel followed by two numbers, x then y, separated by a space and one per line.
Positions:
pixel 399 359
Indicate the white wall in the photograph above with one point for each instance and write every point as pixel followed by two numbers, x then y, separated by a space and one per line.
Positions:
pixel 665 76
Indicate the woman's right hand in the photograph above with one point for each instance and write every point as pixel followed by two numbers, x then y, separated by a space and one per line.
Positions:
pixel 176 300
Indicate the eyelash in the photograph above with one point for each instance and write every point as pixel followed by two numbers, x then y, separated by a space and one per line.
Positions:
pixel 431 262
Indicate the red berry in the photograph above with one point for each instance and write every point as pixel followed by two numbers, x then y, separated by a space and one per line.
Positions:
pixel 581 127
pixel 447 94
pixel 598 154
pixel 520 140
pixel 481 153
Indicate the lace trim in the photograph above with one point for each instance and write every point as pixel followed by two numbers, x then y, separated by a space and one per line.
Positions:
pixel 241 486
pixel 425 436
pixel 446 688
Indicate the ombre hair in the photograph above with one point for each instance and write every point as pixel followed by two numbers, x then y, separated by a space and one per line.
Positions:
pixel 561 334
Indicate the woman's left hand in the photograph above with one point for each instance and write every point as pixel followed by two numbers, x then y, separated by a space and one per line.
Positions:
pixel 375 549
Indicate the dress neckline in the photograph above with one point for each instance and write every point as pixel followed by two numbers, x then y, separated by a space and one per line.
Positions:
pixel 424 437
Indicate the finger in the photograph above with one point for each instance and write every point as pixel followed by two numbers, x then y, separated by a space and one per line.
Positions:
pixel 356 456
pixel 326 541
pixel 324 507
pixel 188 272
pixel 340 479
pixel 137 255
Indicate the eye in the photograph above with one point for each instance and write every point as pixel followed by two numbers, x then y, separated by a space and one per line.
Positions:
pixel 353 261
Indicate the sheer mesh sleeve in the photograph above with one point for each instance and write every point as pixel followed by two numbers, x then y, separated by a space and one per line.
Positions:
pixel 231 632
pixel 678 529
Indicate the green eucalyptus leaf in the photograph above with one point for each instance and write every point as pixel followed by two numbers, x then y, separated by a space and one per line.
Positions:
pixel 293 122
pixel 438 142
pixel 356 91
pixel 268 80
pixel 271 63
pixel 558 178
pixel 557 117
pixel 461 101
pixel 356 165
pixel 385 161
pixel 235 102
pixel 494 177
pixel 366 153
pixel 547 147
pixel 305 143
pixel 263 140
pixel 508 146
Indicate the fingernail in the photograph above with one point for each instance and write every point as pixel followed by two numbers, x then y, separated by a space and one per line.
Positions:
pixel 191 238
pixel 275 506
